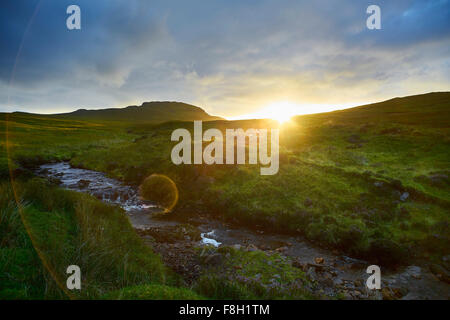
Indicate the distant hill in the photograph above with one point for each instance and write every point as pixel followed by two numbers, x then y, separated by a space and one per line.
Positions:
pixel 430 109
pixel 154 112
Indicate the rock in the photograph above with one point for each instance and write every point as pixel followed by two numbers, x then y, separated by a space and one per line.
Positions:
pixel 414 272
pixel 387 294
pixel 349 285
pixel 327 275
pixel 347 295
pixel 399 292
pixel 319 260
pixel 55 181
pixel 251 248
pixel 298 264
pixel 282 249
pixel 404 196
pixel 236 246
pixel 356 294
pixel 318 267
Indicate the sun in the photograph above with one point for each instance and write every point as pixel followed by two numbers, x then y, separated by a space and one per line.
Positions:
pixel 281 111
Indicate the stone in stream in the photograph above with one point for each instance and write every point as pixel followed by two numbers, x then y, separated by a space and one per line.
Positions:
pixel 319 260
pixel 82 183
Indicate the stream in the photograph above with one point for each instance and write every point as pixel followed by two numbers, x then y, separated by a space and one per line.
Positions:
pixel 334 272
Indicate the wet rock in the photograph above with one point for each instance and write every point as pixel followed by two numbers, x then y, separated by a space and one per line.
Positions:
pixel 318 267
pixel 387 294
pixel 114 196
pixel 414 271
pixel 327 275
pixel 399 292
pixel 356 294
pixel 347 295
pixel 298 264
pixel 82 183
pixel 349 285
pixel 53 180
pixel 319 260
pixel 338 282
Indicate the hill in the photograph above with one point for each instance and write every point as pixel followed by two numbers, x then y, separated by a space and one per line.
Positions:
pixel 153 112
pixel 430 110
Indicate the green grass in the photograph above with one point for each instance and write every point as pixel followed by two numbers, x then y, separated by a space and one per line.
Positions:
pixel 254 275
pixel 56 228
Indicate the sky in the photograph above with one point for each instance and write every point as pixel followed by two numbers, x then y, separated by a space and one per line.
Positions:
pixel 234 58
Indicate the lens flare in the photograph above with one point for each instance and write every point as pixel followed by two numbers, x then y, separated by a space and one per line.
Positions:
pixel 160 189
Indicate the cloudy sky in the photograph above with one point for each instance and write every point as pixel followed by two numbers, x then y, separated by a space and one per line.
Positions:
pixel 231 57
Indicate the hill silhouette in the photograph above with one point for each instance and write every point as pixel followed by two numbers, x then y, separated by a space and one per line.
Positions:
pixel 154 112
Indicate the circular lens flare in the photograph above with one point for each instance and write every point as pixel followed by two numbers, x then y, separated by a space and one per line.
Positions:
pixel 161 189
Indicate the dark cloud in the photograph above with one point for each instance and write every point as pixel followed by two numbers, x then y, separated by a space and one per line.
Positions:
pixel 228 56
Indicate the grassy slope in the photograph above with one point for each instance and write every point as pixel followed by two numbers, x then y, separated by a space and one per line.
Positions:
pixel 326 188
pixel 56 228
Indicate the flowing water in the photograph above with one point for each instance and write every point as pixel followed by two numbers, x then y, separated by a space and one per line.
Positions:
pixel 341 271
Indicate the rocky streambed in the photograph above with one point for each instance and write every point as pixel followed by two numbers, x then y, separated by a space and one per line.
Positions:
pixel 176 241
